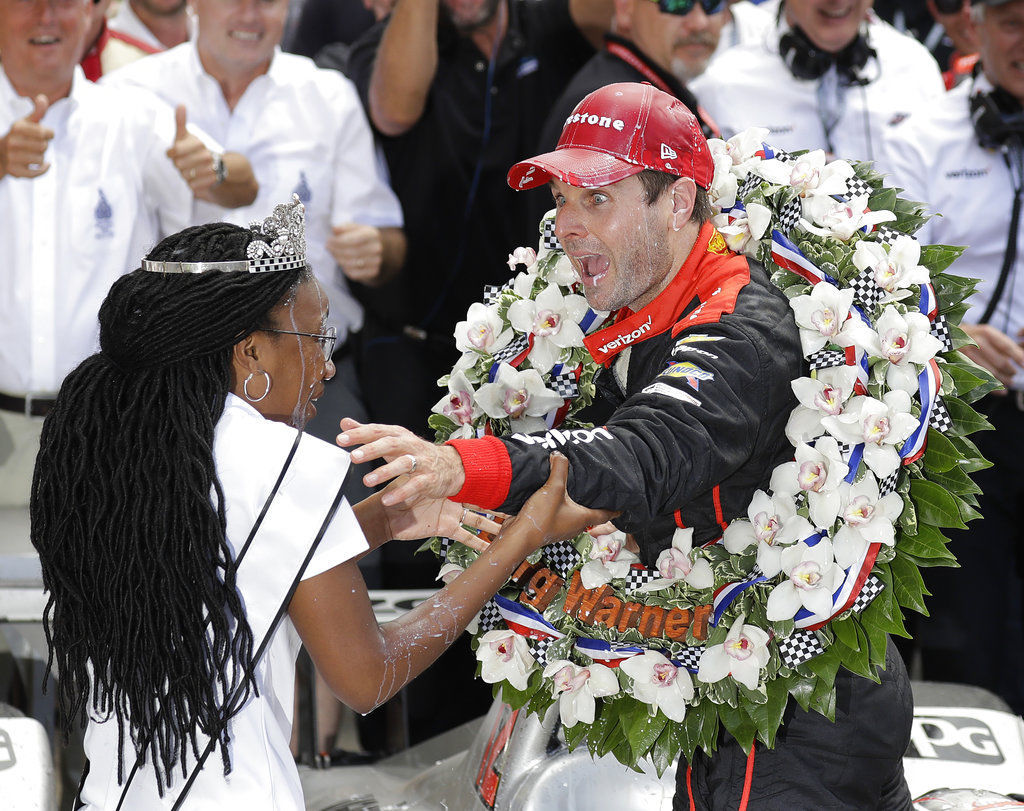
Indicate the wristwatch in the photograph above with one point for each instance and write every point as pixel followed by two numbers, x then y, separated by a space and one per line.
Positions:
pixel 220 168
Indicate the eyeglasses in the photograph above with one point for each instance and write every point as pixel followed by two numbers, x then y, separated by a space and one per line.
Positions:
pixel 682 7
pixel 326 339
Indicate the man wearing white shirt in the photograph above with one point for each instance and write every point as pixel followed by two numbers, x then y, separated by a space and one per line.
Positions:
pixel 963 156
pixel 825 76
pixel 161 24
pixel 86 188
pixel 305 133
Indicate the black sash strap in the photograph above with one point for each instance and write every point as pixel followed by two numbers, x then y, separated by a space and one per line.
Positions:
pixel 1010 254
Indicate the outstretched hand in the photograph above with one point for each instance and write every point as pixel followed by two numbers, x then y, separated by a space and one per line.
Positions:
pixel 431 471
pixel 23 148
pixel 550 515
pixel 428 517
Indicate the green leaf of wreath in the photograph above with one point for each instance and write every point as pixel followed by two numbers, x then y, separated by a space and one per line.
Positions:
pixel 934 505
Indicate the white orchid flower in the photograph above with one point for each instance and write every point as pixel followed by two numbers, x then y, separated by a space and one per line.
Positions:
pixel 553 321
pixel 742 656
pixel 676 563
pixel 809 174
pixel 505 656
pixel 819 397
pixel 905 340
pixel 743 233
pixel 743 147
pixel 893 269
pixel 458 404
pixel 773 523
pixel 827 217
pixel 522 256
pixel 867 519
pixel 812 577
pixel 522 283
pixel 516 394
pixel 609 560
pixel 576 688
pixel 725 184
pixel 659 683
pixel 818 471
pixel 483 331
pixel 823 317
pixel 879 424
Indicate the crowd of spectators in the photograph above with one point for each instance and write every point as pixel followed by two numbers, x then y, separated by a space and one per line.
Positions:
pixel 122 123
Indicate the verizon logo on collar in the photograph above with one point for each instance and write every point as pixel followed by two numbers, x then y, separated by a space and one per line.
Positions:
pixel 625 339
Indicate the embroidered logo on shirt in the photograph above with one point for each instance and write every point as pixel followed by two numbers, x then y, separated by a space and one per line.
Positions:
pixel 966 173
pixel 690 372
pixel 104 217
pixel 526 66
pixel 305 194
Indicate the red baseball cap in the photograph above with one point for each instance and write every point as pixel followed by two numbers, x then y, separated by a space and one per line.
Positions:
pixel 616 132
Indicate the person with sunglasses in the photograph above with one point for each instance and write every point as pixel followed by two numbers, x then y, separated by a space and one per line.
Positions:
pixel 191 534
pixel 827 75
pixel 664 42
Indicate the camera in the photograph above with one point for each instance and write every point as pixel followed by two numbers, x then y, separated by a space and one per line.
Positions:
pixel 949 6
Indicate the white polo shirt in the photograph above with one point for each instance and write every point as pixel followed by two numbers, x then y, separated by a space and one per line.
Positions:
pixel 750 86
pixel 304 131
pixel 249 452
pixel 935 156
pixel 110 194
pixel 127 22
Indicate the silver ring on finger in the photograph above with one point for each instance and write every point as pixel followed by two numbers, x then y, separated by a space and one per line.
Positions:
pixel 414 462
pixel 191 174
pixel 465 512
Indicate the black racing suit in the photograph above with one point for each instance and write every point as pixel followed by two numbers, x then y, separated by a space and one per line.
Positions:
pixel 698 426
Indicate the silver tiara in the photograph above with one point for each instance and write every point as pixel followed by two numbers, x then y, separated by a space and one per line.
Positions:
pixel 282 247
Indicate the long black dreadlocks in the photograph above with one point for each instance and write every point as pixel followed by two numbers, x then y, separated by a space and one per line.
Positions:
pixel 144 619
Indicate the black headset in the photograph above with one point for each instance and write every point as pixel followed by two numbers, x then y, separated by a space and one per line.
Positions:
pixel 806 60
pixel 997 117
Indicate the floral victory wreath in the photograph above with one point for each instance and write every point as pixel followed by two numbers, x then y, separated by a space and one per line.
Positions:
pixel 650 663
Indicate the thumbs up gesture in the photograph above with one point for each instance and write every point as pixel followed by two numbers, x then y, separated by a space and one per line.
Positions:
pixel 23 148
pixel 192 158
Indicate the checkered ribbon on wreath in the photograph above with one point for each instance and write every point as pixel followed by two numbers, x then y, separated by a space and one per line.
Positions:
pixel 638 576
pixel 940 329
pixel 548 238
pixel 782 155
pixel 799 647
pixel 888 484
pixel 826 359
pixel 446 544
pixel 855 187
pixel 887 234
pixel 844 448
pixel 562 557
pixel 866 289
pixel 689 657
pixel 872 588
pixel 516 348
pixel 940 419
pixel 748 185
pixel 789 214
pixel 564 384
pixel 539 649
pixel 492 292
pixel 490 617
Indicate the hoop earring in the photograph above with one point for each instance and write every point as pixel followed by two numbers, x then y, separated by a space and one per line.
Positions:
pixel 245 387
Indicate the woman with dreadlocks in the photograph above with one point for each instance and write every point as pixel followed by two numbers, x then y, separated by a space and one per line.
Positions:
pixel 187 531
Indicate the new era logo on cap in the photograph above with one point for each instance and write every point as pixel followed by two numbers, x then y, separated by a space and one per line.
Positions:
pixel 618 131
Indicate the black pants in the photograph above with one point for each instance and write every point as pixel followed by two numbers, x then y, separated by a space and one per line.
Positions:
pixel 855 763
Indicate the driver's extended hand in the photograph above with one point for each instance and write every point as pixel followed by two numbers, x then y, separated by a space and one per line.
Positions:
pixel 436 473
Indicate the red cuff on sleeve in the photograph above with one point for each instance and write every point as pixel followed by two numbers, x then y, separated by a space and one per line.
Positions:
pixel 488 471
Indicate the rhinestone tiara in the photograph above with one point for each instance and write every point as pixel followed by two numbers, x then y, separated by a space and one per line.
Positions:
pixel 282 246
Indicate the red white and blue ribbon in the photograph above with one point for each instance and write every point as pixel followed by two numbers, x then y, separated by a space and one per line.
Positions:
pixel 787 255
pixel 724 595
pixel 846 595
pixel 525 621
pixel 928 381
pixel 928 302
pixel 607 654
